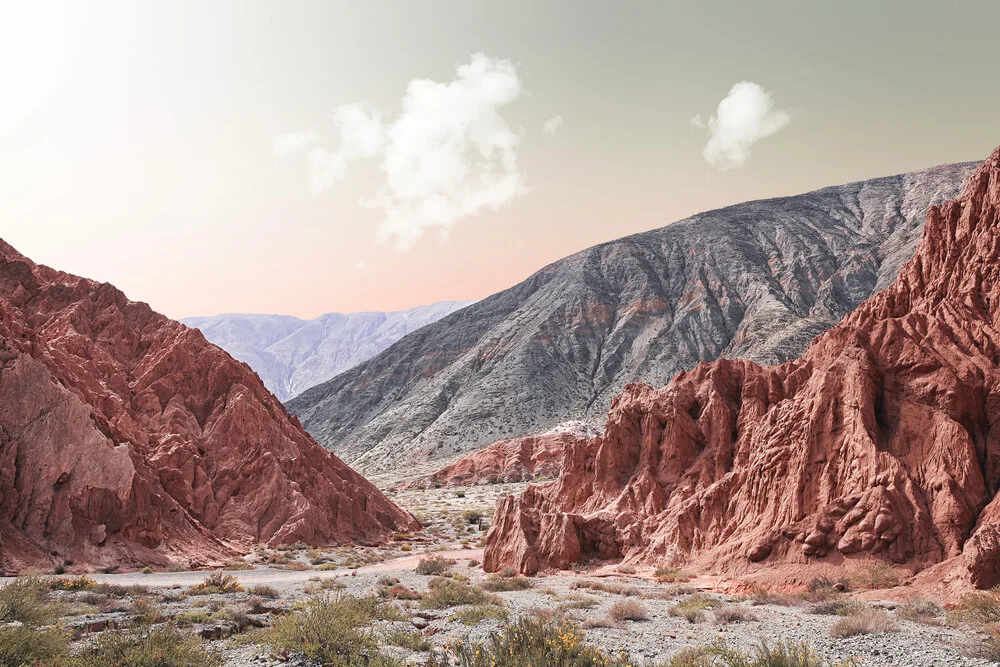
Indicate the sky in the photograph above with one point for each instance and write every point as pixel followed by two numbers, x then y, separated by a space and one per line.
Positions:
pixel 302 157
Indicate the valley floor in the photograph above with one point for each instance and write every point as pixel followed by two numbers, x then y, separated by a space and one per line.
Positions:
pixel 618 611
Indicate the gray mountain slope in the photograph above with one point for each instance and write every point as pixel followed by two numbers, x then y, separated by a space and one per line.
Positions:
pixel 291 355
pixel 757 280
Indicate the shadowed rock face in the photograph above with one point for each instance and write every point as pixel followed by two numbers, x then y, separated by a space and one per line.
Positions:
pixel 755 281
pixel 126 439
pixel 880 440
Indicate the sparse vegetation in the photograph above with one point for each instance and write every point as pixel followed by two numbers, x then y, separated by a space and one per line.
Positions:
pixel 29 646
pixel 217 584
pixel 627 610
pixel 693 607
pixel 499 584
pixel 782 654
pixel 443 593
pixel 671 575
pixel 413 641
pixel 607 587
pixel 532 643
pixel 158 647
pixel 334 631
pixel 980 608
pixel 877 575
pixel 24 600
pixel 264 591
pixel 863 620
pixel 476 614
pixel 922 611
pixel 734 613
pixel 434 565
pixel 237 564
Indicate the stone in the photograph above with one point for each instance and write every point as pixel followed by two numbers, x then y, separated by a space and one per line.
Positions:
pixel 126 439
pixel 755 281
pixel 891 413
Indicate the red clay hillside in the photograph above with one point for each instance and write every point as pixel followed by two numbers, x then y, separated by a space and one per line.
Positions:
pixel 126 439
pixel 882 440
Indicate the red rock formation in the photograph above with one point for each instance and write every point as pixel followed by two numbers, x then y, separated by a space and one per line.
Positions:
pixel 515 460
pixel 881 440
pixel 126 438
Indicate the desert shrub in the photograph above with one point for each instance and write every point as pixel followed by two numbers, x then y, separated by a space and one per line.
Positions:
pixel 670 575
pixel 237 564
pixel 693 607
pixel 413 641
pixel 863 621
pixel 507 572
pixel 922 611
pixel 81 583
pixel 498 584
pixel 535 643
pixel 476 614
pixel 444 593
pixel 317 584
pixel 626 569
pixel 25 645
pixel 987 647
pixel 977 608
pixel 145 612
pixel 192 617
pixel 760 595
pixel 334 631
pixel 627 610
pixel 158 647
pixel 400 592
pixel 782 654
pixel 607 587
pixel 263 591
pixel 692 657
pixel 472 516
pixel 578 601
pixel 433 565
pixel 146 570
pixel 331 566
pixel 876 575
pixel 216 584
pixel 734 613
pixel 25 600
pixel 837 608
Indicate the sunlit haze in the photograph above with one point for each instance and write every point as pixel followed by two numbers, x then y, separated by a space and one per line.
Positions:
pixel 306 157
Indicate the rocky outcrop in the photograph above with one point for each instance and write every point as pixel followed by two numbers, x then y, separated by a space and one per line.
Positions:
pixel 517 460
pixel 126 439
pixel 290 355
pixel 882 440
pixel 755 281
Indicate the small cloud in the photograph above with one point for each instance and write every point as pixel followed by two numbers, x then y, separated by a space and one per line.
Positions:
pixel 697 121
pixel 449 154
pixel 551 125
pixel 745 116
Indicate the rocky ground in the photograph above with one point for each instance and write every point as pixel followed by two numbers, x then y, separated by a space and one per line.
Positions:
pixel 598 599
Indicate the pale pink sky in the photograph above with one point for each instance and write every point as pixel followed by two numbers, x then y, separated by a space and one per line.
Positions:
pixel 137 138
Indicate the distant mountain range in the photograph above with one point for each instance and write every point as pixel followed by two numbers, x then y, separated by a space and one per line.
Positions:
pixel 757 281
pixel 290 355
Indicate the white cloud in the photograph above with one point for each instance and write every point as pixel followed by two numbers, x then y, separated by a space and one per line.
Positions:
pixel 698 121
pixel 551 125
pixel 447 156
pixel 743 118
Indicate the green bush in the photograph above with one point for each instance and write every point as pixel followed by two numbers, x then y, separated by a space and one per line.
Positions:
pixel 25 645
pixel 978 608
pixel 693 607
pixel 443 593
pixel 413 641
pixel 335 631
pixel 479 613
pixel 499 584
pixel 922 611
pixel 161 647
pixel 216 584
pixel 25 600
pixel 535 643
pixel 433 565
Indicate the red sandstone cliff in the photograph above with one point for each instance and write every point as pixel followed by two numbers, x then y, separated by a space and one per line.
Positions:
pixel 126 438
pixel 881 440
pixel 515 460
